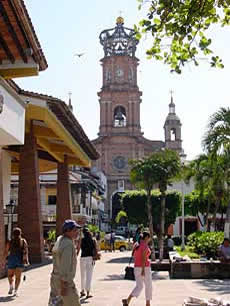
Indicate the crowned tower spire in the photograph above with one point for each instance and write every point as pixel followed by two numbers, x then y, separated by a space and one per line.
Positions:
pixel 119 40
pixel 119 95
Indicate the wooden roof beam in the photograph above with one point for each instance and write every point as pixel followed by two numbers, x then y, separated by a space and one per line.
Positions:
pixel 44 143
pixel 44 132
pixel 12 32
pixel 6 49
pixel 59 148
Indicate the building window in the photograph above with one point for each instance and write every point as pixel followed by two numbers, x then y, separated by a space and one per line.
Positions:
pixel 119 116
pixel 173 134
pixel 121 185
pixel 52 200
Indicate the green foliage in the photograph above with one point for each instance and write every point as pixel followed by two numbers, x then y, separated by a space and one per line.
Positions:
pixel 134 204
pixel 52 235
pixel 218 131
pixel 121 214
pixel 179 28
pixel 93 228
pixel 195 203
pixel 188 251
pixel 206 243
pixel 160 168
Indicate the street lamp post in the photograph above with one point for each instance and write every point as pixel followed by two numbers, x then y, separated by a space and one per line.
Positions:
pixel 10 211
pixel 182 156
pixel 182 225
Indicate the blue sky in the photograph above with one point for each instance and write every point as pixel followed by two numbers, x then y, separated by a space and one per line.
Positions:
pixel 68 27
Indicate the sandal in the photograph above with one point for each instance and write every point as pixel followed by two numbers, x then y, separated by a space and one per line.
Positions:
pixel 124 302
pixel 82 293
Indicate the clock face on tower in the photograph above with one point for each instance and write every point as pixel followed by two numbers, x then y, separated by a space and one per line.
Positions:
pixel 119 162
pixel 119 73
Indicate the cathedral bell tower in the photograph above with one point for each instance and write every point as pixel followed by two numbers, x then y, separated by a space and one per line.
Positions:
pixel 172 129
pixel 119 96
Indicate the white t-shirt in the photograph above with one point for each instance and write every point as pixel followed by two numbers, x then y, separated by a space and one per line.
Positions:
pixel 170 243
pixel 225 251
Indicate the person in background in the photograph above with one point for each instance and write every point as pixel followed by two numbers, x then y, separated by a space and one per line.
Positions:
pixel 142 270
pixel 98 239
pixel 170 244
pixel 107 241
pixel 112 241
pixel 224 251
pixel 137 234
pixel 88 249
pixel 62 284
pixel 17 253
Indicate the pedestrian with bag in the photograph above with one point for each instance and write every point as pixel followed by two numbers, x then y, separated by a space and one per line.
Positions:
pixel 63 291
pixel 142 270
pixel 87 261
pixel 16 253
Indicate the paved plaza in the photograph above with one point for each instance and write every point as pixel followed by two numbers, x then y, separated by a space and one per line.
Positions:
pixel 109 286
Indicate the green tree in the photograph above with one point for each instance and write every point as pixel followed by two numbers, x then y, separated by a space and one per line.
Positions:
pixel 144 175
pixel 158 169
pixel 217 142
pixel 120 215
pixel 134 204
pixel 179 30
pixel 209 177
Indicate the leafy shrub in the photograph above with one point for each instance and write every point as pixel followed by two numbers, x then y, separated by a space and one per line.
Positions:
pixel 206 243
pixel 52 235
pixel 93 228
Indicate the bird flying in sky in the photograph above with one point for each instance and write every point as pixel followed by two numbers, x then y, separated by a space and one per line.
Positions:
pixel 79 54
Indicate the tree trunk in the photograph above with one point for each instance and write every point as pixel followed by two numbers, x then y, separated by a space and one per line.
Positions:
pixel 207 214
pixel 214 214
pixel 150 217
pixel 227 222
pixel 162 228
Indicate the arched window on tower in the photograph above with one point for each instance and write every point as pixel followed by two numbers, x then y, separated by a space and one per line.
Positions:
pixel 173 134
pixel 119 116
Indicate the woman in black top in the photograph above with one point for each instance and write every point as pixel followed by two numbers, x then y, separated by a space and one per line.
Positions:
pixel 88 250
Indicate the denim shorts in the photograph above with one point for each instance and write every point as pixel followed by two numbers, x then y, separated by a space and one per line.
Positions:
pixel 15 261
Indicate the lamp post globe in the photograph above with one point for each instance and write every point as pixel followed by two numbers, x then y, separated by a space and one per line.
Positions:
pixel 10 211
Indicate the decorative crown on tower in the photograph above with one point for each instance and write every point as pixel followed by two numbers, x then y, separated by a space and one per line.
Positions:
pixel 119 40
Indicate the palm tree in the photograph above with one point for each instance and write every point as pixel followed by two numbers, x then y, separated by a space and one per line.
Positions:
pixel 217 142
pixel 208 172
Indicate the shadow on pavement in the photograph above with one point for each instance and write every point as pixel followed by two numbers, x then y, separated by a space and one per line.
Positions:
pixel 5 299
pixel 46 261
pixel 119 260
pixel 113 277
pixel 160 275
pixel 219 285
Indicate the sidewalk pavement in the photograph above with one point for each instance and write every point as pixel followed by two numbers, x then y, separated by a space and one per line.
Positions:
pixel 109 286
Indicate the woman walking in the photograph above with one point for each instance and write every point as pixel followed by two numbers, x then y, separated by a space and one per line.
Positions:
pixel 17 252
pixel 142 270
pixel 88 251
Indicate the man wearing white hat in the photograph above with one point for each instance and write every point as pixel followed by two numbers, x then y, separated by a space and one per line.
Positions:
pixel 63 290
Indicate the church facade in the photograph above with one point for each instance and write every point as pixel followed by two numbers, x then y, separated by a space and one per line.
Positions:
pixel 120 137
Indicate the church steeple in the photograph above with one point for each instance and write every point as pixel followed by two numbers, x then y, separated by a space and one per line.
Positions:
pixel 172 106
pixel 172 128
pixel 70 102
pixel 119 96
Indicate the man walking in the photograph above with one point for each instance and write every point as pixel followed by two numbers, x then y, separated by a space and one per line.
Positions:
pixel 63 290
